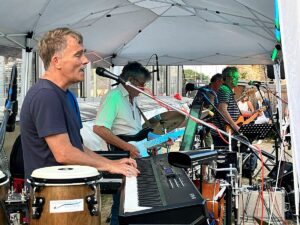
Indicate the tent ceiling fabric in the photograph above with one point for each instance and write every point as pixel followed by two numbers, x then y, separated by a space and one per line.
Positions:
pixel 180 32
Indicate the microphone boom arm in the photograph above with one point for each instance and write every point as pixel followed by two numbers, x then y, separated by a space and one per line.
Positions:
pixel 197 120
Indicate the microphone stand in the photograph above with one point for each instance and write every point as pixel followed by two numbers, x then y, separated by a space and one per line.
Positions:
pixel 181 111
pixel 199 121
pixel 103 72
pixel 275 128
pixel 275 95
pixel 196 109
pixel 217 110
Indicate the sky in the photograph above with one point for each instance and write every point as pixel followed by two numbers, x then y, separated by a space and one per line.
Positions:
pixel 208 70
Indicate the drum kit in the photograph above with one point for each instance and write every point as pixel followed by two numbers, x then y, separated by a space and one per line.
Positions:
pixel 166 122
pixel 170 120
pixel 58 195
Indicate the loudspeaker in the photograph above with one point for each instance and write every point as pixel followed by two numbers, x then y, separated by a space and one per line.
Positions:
pixel 282 73
pixel 286 178
pixel 270 71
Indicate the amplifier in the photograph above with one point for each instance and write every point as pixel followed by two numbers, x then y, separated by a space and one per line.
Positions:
pixel 250 205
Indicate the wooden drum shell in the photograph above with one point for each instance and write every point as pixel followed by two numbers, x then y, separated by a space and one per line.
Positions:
pixel 68 192
pixel 65 195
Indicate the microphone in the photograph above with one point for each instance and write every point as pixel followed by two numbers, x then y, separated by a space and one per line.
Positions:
pixel 193 87
pixel 255 83
pixel 11 102
pixel 157 69
pixel 105 73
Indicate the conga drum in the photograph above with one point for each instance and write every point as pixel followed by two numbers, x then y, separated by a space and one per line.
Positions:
pixel 65 195
pixel 3 195
pixel 215 208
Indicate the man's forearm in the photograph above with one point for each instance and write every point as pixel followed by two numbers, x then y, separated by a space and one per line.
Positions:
pixel 95 155
pixel 103 162
pixel 228 117
pixel 110 138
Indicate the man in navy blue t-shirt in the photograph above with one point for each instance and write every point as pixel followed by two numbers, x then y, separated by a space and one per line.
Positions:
pixel 50 128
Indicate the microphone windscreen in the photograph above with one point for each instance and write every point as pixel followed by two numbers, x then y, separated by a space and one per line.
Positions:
pixel 100 71
pixel 105 73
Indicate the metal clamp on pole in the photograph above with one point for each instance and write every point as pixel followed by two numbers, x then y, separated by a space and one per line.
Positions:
pixel 37 207
pixel 92 202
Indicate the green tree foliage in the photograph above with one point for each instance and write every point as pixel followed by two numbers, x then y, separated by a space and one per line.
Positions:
pixel 243 75
pixel 191 75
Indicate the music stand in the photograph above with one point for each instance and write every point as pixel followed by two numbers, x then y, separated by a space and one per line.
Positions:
pixel 252 132
pixel 255 131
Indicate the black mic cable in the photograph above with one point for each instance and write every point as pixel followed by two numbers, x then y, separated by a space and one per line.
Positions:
pixel 157 68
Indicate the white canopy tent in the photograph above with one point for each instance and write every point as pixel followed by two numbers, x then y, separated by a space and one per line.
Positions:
pixel 180 32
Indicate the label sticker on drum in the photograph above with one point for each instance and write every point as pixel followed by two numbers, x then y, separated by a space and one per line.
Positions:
pixel 62 206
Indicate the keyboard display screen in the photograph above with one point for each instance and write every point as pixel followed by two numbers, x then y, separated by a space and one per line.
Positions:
pixel 168 170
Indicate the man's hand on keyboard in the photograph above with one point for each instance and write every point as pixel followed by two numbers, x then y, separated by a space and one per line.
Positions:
pixel 125 166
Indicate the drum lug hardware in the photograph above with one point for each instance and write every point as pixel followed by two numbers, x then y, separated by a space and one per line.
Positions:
pixel 37 207
pixel 92 203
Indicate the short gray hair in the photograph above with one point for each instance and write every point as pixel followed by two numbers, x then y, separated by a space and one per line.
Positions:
pixel 54 41
pixel 134 69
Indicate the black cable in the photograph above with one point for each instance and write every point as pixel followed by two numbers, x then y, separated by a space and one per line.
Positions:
pixel 150 59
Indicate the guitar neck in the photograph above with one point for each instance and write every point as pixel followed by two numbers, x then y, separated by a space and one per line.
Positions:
pixel 250 119
pixel 253 117
pixel 162 139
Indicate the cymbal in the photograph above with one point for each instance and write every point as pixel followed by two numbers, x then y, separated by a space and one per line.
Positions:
pixel 167 120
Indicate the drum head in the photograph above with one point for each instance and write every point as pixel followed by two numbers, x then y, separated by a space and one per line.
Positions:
pixel 3 178
pixel 65 174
